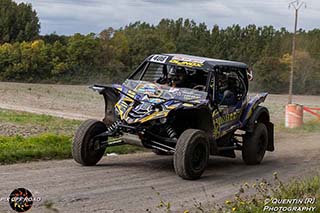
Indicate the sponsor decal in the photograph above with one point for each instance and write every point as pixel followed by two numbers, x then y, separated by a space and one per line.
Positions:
pixel 218 121
pixel 186 63
pixel 189 59
pixel 226 118
pixel 149 89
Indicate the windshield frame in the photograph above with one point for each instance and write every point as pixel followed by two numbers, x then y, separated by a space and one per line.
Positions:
pixel 143 67
pixel 132 85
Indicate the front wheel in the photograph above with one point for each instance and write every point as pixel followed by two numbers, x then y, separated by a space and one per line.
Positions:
pixel 192 154
pixel 255 145
pixel 83 146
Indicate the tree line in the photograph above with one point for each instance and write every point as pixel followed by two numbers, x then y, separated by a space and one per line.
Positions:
pixel 112 54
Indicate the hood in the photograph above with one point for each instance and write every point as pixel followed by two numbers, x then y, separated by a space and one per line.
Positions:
pixel 148 96
pixel 153 92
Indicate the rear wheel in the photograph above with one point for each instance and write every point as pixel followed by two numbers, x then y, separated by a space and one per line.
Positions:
pixel 192 154
pixel 84 151
pixel 255 145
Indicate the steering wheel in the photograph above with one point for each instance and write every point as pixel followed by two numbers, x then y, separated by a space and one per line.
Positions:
pixel 199 87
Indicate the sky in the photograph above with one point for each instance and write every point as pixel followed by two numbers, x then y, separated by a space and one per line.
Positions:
pixel 84 16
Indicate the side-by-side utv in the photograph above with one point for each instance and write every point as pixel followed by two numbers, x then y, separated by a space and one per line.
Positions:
pixel 187 106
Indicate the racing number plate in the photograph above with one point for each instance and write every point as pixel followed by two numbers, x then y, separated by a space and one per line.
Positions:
pixel 159 58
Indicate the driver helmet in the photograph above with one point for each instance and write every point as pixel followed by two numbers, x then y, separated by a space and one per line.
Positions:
pixel 177 75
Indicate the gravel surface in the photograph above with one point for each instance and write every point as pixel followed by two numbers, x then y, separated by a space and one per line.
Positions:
pixel 124 183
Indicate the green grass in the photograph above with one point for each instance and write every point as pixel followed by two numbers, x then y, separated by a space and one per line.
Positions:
pixel 265 192
pixel 308 127
pixel 54 141
pixel 124 149
pixel 260 195
pixel 49 123
pixel 46 146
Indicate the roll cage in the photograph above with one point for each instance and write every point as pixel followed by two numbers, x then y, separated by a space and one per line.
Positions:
pixel 211 70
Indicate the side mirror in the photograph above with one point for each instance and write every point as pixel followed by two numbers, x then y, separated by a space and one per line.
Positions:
pixel 250 74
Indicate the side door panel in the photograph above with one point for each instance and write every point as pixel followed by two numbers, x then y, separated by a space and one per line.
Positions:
pixel 226 117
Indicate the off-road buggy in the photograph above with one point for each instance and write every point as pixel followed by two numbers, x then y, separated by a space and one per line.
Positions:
pixel 210 114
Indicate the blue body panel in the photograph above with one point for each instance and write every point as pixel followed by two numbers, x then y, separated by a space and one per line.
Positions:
pixel 252 104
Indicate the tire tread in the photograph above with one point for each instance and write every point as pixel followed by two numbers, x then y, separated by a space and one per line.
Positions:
pixel 180 154
pixel 249 154
pixel 78 153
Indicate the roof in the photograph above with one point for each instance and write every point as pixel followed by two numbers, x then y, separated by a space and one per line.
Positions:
pixel 208 61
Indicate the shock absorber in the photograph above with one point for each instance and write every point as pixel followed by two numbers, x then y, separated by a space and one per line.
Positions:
pixel 170 131
pixel 113 127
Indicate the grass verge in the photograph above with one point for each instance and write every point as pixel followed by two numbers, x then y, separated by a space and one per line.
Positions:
pixel 45 146
pixel 299 195
pixel 308 127
pixel 21 149
pixel 46 123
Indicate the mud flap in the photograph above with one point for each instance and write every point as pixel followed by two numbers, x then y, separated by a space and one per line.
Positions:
pixel 270 128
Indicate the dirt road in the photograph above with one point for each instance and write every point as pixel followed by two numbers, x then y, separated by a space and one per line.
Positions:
pixel 79 102
pixel 124 183
pixel 67 101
